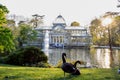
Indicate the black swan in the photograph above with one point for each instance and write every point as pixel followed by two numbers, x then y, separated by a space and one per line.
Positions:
pixel 68 67
pixel 77 72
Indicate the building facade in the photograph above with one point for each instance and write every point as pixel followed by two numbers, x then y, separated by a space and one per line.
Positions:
pixel 61 35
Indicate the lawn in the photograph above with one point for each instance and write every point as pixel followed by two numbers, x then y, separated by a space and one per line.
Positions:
pixel 9 72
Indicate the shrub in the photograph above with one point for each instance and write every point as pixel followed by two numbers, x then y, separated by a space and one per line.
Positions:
pixel 44 65
pixel 59 64
pixel 27 56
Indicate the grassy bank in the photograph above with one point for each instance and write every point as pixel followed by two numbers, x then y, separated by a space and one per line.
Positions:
pixel 8 72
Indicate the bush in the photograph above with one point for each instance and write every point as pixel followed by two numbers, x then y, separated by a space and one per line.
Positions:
pixel 27 56
pixel 2 60
pixel 44 65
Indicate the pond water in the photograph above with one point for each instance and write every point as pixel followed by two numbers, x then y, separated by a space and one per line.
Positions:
pixel 97 57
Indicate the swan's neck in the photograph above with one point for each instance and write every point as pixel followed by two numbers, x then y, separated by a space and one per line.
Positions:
pixel 76 63
pixel 63 58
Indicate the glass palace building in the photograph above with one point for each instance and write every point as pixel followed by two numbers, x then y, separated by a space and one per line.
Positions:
pixel 61 35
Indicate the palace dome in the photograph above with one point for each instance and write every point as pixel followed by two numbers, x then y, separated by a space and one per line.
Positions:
pixel 59 20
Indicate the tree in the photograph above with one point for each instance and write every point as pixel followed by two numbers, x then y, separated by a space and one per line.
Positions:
pixel 10 23
pixel 37 20
pixel 26 34
pixel 100 33
pixel 75 23
pixel 4 8
pixel 6 36
pixel 6 40
pixel 116 31
pixel 95 31
pixel 3 12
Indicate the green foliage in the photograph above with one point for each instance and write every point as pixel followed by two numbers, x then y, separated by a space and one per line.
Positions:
pixel 75 23
pixel 43 65
pixel 3 11
pixel 26 34
pixel 6 36
pixel 2 18
pixel 27 56
pixel 116 31
pixel 10 23
pixel 96 30
pixel 1 49
pixel 6 40
pixel 100 34
pixel 4 8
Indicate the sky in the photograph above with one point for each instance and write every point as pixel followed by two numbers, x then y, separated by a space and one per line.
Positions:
pixel 82 11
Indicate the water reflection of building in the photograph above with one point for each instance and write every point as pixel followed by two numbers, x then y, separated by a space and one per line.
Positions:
pixel 62 35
